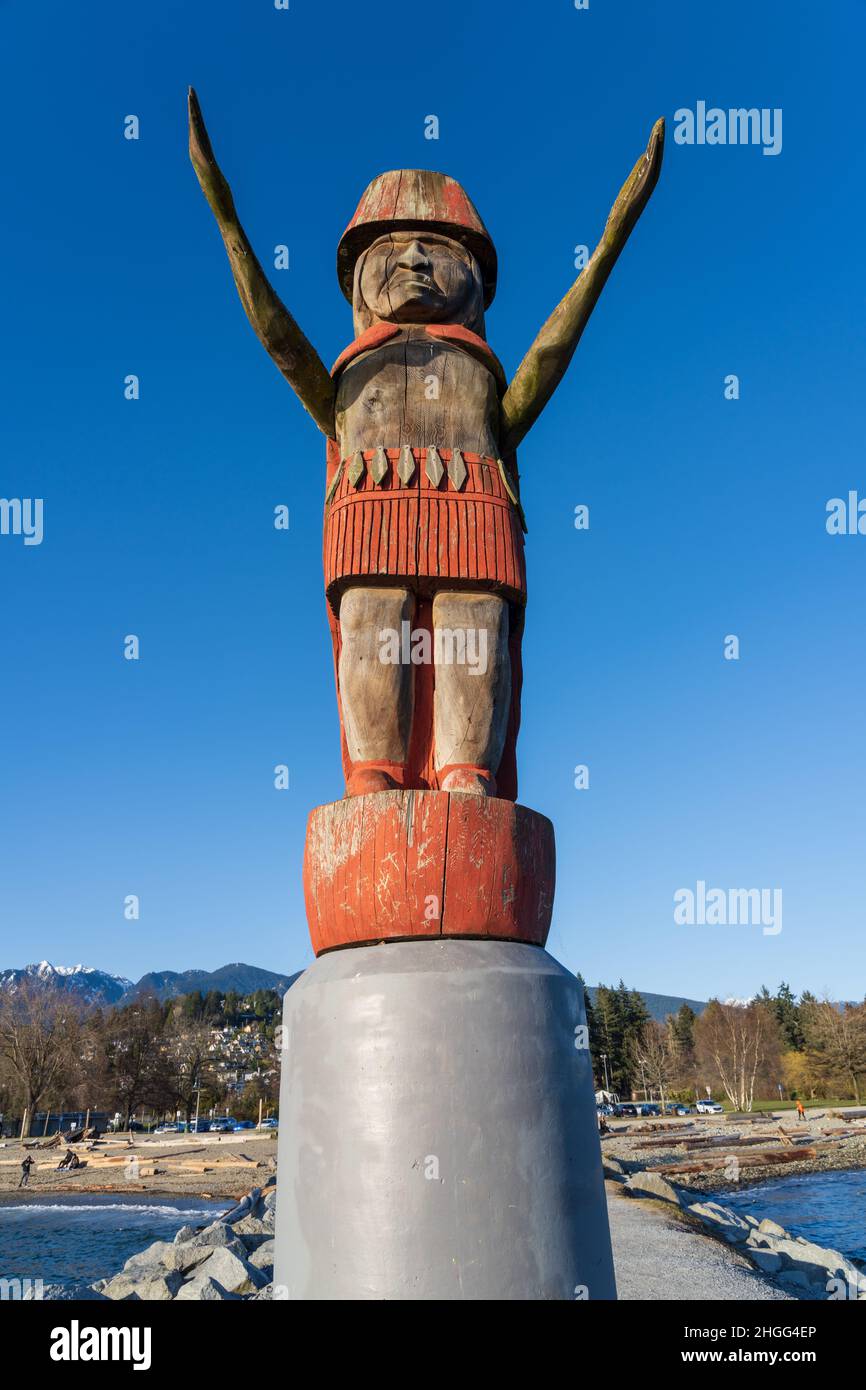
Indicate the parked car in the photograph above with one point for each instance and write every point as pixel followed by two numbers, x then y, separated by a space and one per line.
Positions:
pixel 168 1129
pixel 245 1124
pixel 222 1127
pixel 647 1108
pixel 605 1109
pixel 680 1109
pixel 708 1107
pixel 624 1109
pixel 270 1124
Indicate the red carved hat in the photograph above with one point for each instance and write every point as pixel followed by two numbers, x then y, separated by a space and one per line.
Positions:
pixel 407 198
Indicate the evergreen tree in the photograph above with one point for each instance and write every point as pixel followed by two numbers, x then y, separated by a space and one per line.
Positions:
pixel 192 1007
pixel 620 1015
pixel 608 1036
pixel 784 1008
pixel 681 1027
pixel 212 1009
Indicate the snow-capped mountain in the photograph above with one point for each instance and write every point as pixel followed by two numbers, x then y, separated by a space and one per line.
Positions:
pixel 97 987
pixel 93 986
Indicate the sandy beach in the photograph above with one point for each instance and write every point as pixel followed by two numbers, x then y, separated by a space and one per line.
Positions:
pixel 203 1165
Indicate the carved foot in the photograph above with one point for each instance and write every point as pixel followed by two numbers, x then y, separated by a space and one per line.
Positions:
pixel 369 779
pixel 470 781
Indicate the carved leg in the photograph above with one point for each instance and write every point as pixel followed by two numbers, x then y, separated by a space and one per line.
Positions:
pixel 473 689
pixel 376 693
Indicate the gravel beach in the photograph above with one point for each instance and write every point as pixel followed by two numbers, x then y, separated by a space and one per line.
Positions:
pixel 648 1144
pixel 660 1256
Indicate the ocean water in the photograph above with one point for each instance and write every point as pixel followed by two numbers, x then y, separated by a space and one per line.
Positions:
pixel 827 1208
pixel 69 1239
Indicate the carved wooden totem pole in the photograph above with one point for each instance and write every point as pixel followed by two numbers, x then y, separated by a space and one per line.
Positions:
pixel 437 1122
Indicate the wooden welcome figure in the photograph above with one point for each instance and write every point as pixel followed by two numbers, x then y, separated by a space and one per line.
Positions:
pixel 423 531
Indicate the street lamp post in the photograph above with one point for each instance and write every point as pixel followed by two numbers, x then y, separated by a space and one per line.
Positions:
pixel 641 1061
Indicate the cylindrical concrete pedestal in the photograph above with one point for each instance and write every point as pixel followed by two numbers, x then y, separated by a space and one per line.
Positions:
pixel 438 1135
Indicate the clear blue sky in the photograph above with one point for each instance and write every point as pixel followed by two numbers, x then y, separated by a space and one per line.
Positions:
pixel 707 515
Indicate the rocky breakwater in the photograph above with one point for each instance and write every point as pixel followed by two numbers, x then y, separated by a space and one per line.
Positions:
pixel 232 1258
pixel 797 1265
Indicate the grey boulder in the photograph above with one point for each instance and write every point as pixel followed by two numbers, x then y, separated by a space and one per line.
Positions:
pixel 157 1289
pixel 203 1289
pixel 649 1184
pixel 236 1275
pixel 766 1260
pixel 771 1228
pixel 63 1293
pixel 728 1224
pixel 263 1257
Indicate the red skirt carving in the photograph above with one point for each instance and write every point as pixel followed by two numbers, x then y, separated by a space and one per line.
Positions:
pixel 469 537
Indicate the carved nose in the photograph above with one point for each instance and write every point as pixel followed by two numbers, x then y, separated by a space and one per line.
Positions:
pixel 413 257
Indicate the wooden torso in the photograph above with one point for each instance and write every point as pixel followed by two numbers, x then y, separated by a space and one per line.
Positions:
pixel 417 390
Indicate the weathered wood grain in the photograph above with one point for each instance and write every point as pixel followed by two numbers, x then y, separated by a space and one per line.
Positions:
pixel 274 326
pixel 546 362
pixel 404 864
pixel 418 390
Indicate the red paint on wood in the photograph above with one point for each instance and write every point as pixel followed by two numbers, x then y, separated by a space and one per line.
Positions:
pixel 442 534
pixel 404 864
pixel 414 199
pixel 380 333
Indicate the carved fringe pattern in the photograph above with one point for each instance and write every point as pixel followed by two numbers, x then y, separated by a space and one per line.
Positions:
pixel 434 513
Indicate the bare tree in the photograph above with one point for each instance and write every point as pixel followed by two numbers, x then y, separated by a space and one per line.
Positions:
pixel 738 1045
pixel 132 1058
pixel 38 1031
pixel 190 1062
pixel 656 1059
pixel 836 1041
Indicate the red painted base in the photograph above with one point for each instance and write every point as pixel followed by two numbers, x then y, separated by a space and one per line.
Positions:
pixel 401 864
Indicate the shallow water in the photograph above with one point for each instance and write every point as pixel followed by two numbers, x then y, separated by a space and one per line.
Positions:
pixel 69 1239
pixel 827 1208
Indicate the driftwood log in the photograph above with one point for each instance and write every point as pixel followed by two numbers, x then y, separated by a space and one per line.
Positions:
pixel 766 1157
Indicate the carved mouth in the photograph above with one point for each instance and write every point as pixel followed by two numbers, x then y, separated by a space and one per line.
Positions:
pixel 412 280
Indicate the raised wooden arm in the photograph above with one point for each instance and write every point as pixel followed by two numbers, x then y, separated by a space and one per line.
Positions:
pixel 546 362
pixel 275 328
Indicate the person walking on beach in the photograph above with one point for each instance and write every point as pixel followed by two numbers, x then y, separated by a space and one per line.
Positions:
pixel 25 1171
pixel 801 1113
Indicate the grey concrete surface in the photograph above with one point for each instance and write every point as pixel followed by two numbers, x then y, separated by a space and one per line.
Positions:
pixel 437 1128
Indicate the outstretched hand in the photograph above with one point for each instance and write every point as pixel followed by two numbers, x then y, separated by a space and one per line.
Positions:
pixel 208 172
pixel 547 360
pixel 636 191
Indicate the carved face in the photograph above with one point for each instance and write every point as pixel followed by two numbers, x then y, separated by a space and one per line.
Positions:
pixel 419 277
